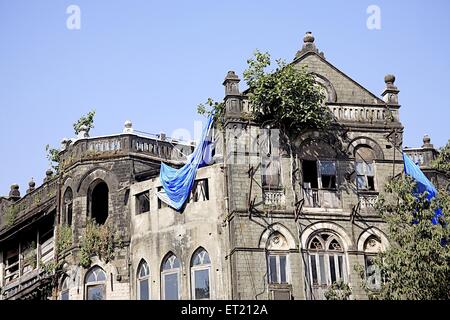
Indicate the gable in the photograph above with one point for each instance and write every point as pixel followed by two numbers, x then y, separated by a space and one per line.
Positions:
pixel 340 87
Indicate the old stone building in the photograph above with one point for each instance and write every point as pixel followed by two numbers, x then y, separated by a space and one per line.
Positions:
pixel 244 234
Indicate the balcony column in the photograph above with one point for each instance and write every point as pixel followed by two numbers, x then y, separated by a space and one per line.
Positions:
pixel 38 251
pixel 2 270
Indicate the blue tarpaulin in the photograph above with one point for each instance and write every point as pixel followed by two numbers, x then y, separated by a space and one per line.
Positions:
pixel 177 183
pixel 422 183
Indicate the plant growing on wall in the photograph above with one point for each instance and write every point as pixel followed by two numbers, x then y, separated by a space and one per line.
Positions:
pixel 287 98
pixel 416 265
pixel 98 240
pixel 53 157
pixel 442 162
pixel 86 120
pixel 11 213
pixel 63 238
pixel 338 291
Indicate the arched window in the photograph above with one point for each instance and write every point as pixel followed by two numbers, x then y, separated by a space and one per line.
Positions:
pixel 372 247
pixel 65 288
pixel 95 284
pixel 364 167
pixel 277 259
pixel 67 207
pixel 143 279
pixel 98 201
pixel 201 275
pixel 326 262
pixel 170 278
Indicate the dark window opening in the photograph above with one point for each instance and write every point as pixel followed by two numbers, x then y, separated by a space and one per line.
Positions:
pixel 143 202
pixel 99 203
pixel 161 204
pixel 371 183
pixel 328 182
pixel 309 174
pixel 67 207
pixel 200 191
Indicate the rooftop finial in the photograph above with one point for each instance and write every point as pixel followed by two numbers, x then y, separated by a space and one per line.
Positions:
pixel 14 194
pixel 128 127
pixel 308 38
pixel 427 142
pixel 31 186
pixel 390 93
pixel 308 45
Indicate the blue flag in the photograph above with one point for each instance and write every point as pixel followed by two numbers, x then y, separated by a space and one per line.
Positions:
pixel 422 183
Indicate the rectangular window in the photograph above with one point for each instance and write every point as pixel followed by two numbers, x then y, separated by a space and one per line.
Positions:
pixel 170 286
pixel 143 202
pixel 96 292
pixel 273 269
pixel 332 269
pixel 323 278
pixel 200 191
pixel 278 269
pixel 144 290
pixel 202 284
pixel 314 270
pixel 328 174
pixel 373 274
pixel 161 204
pixel 65 295
pixel 271 172
pixel 365 174
pixel 310 174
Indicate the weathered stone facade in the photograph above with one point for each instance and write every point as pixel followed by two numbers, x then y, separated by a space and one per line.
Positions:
pixel 239 235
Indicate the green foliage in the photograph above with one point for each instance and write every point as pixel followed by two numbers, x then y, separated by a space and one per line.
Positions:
pixel 442 161
pixel 11 213
pixel 210 107
pixel 98 240
pixel 53 157
pixel 338 291
pixel 86 120
pixel 416 265
pixel 287 97
pixel 63 238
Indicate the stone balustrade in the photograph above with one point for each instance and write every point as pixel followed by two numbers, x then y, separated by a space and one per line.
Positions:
pixel 364 114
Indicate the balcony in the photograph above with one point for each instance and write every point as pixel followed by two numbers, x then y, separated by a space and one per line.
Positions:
pixel 367 200
pixel 123 145
pixel 25 267
pixel 274 198
pixel 322 198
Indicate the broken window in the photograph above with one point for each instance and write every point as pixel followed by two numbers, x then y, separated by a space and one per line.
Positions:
pixel 95 284
pixel 200 191
pixel 143 281
pixel 319 174
pixel 67 207
pixel 99 198
pixel 161 204
pixel 328 174
pixel 310 180
pixel 364 167
pixel 200 275
pixel 170 278
pixel 143 202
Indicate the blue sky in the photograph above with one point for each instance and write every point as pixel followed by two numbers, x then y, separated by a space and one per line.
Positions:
pixel 153 61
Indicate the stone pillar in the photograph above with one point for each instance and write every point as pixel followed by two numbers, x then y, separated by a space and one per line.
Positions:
pixel 233 98
pixel 390 93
